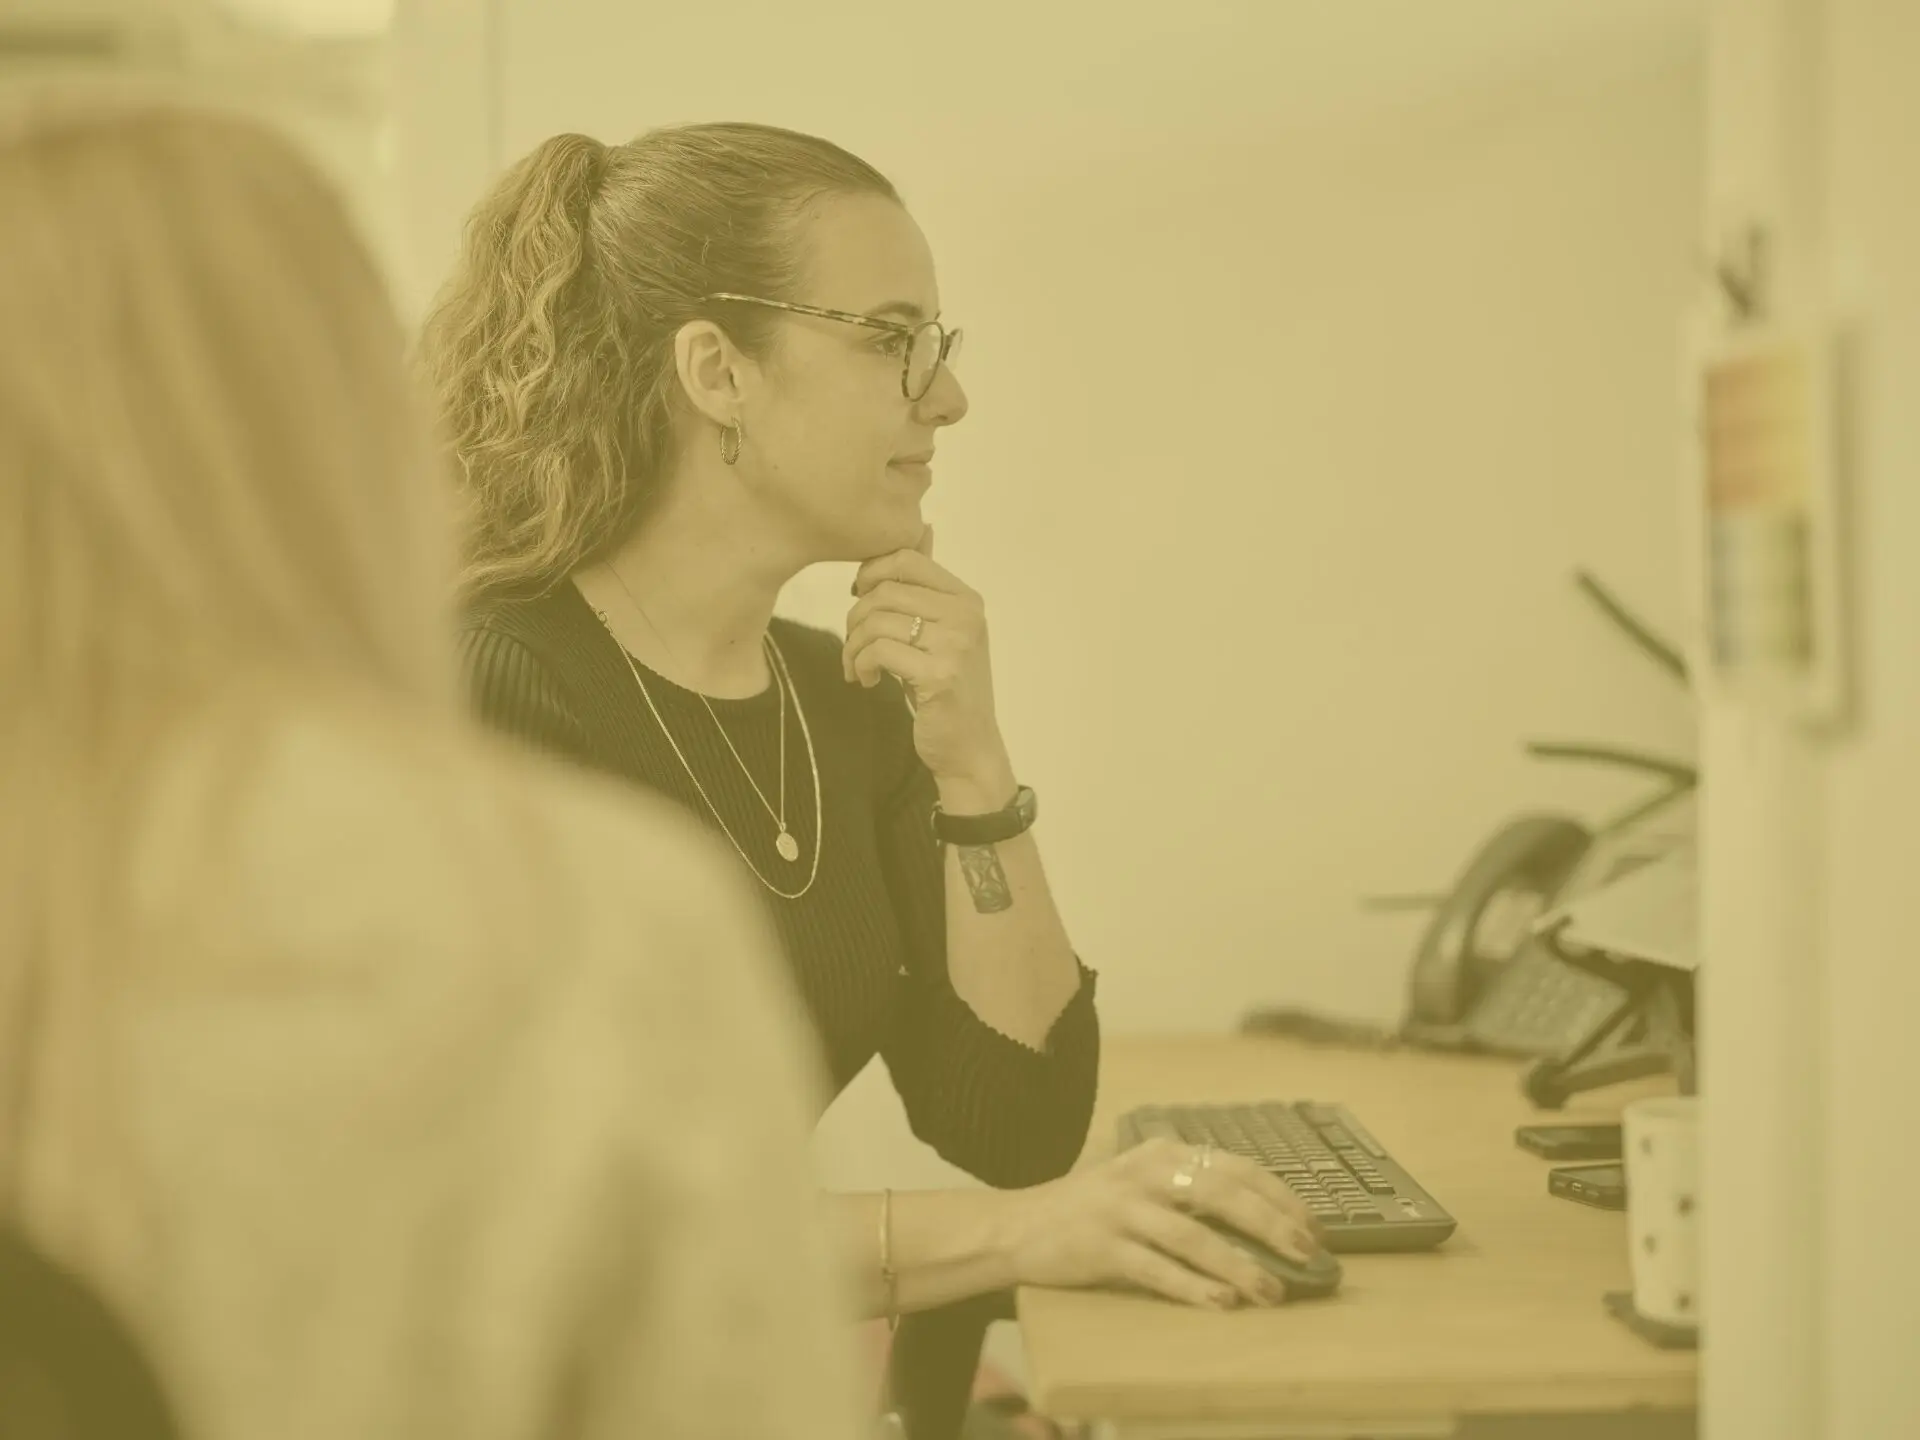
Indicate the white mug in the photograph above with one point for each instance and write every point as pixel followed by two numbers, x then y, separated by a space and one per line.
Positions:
pixel 1661 1138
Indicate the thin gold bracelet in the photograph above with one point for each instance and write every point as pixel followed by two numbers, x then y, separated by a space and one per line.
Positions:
pixel 887 1277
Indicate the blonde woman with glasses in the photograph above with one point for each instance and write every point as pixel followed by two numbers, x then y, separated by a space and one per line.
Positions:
pixel 389 1085
pixel 678 371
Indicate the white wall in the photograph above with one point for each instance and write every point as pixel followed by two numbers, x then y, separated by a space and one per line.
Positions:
pixel 447 145
pixel 1296 400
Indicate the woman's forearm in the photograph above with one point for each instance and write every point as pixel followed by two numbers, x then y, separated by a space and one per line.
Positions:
pixel 1008 953
pixel 945 1245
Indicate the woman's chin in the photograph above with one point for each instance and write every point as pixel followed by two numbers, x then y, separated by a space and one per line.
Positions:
pixel 899 530
pixel 897 524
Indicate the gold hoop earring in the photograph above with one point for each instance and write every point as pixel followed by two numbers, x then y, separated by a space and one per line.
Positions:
pixel 730 452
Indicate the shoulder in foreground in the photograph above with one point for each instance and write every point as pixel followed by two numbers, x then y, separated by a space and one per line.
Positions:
pixel 359 835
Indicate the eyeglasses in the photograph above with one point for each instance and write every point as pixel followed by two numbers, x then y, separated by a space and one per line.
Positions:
pixel 929 344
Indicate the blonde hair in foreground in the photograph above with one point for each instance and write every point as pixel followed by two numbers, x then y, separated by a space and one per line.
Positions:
pixel 214 499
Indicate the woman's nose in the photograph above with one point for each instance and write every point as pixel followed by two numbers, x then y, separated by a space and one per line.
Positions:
pixel 945 402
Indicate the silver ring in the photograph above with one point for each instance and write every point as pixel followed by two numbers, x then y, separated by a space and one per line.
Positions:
pixel 919 624
pixel 1200 1160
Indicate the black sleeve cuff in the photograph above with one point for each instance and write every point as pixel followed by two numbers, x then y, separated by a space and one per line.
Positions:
pixel 1007 1114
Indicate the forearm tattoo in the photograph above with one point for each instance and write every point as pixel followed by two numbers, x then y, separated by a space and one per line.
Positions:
pixel 986 880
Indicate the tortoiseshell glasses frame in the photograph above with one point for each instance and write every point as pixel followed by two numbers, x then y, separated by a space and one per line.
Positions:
pixel 930 342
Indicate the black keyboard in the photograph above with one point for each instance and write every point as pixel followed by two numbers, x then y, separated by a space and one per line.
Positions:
pixel 1362 1196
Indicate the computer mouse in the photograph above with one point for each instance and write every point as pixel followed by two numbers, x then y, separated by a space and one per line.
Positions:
pixel 1318 1278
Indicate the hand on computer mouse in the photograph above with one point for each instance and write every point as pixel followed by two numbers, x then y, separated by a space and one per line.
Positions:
pixel 1319 1277
pixel 1140 1219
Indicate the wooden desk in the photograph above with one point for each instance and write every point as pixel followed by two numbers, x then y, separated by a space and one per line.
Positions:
pixel 1505 1318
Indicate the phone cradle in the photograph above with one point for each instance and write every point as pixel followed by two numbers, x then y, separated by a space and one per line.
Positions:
pixel 1651 1033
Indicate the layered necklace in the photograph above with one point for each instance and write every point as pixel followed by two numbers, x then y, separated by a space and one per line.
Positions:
pixel 784 844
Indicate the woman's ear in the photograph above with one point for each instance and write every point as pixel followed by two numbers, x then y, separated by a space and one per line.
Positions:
pixel 709 366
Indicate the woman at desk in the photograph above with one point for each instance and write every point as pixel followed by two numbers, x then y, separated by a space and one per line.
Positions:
pixel 676 372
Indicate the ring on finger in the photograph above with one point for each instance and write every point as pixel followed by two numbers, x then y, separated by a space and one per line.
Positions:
pixel 1199 1160
pixel 919 624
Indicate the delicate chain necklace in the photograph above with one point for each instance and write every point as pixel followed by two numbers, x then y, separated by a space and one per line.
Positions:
pixel 784 843
pixel 788 847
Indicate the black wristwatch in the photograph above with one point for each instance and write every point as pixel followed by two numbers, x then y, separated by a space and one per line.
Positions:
pixel 989 829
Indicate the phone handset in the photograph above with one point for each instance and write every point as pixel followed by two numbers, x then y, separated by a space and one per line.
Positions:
pixel 1487 916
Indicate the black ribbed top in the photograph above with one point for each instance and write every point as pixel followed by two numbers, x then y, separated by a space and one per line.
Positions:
pixel 867 941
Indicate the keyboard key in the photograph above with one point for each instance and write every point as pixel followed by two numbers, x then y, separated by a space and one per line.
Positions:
pixel 1364 1139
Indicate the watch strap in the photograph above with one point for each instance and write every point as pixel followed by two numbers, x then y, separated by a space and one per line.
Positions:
pixel 993 828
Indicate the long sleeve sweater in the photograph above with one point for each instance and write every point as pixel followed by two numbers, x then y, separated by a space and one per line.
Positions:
pixel 867 941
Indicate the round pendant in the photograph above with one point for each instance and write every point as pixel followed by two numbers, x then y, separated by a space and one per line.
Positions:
pixel 788 847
